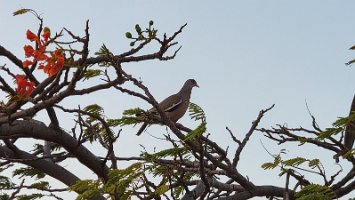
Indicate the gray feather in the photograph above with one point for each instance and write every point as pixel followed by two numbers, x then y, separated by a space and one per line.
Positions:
pixel 175 106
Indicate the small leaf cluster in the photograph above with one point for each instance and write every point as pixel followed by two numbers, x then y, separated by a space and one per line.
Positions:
pixel 21 11
pixel 201 129
pixel 104 51
pixel 196 112
pixel 89 188
pixel 94 124
pixel 91 73
pixel 40 185
pixel 166 153
pixel 169 172
pixel 7 185
pixel 121 182
pixel 142 35
pixel 131 116
pixel 315 192
pixel 338 126
pixel 28 171
pixel 30 196
pixel 293 163
pixel 5 182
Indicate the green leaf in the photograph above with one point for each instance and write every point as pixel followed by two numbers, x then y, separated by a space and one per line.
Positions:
pixel 21 11
pixel 30 196
pixel 94 109
pixel 196 112
pixel 269 165
pixel 133 112
pixel 167 153
pixel 315 192
pixel 294 161
pixel 120 180
pixel 90 73
pixel 28 171
pixel 40 185
pixel 138 29
pixel 350 153
pixel 4 197
pixel 313 163
pixel 330 132
pixel 104 51
pixel 178 191
pixel 162 189
pixel 130 116
pixel 5 182
pixel 303 140
pixel 128 35
pixel 197 132
pixel 86 188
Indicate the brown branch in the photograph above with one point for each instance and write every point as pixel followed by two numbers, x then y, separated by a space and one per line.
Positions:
pixel 247 136
pixel 233 137
pixel 260 191
pixel 38 131
pixel 18 63
pixel 13 195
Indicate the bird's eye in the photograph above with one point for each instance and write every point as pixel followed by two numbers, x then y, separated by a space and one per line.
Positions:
pixel 193 81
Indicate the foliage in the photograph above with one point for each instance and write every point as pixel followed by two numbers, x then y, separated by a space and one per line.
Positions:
pixel 315 192
pixel 190 162
pixel 142 35
pixel 120 182
pixel 338 126
pixel 28 171
pixel 293 162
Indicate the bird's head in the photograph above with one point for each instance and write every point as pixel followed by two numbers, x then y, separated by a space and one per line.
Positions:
pixel 192 83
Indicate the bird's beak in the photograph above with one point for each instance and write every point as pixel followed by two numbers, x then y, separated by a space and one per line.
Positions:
pixel 197 85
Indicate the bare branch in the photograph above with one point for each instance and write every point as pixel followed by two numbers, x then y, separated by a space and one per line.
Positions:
pixel 247 136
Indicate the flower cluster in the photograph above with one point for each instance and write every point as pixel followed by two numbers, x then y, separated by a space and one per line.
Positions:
pixel 50 61
pixel 24 87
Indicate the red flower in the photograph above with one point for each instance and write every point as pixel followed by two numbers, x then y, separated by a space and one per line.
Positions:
pixel 54 63
pixel 27 63
pixel 39 54
pixel 28 50
pixel 50 61
pixel 31 36
pixel 60 62
pixel 24 87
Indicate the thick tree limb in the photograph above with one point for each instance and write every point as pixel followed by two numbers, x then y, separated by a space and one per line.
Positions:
pixel 39 131
pixel 43 165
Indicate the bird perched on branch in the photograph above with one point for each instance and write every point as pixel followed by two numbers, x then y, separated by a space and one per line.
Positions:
pixel 175 106
pixel 350 129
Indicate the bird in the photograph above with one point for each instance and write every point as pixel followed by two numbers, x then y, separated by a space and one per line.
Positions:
pixel 174 106
pixel 350 129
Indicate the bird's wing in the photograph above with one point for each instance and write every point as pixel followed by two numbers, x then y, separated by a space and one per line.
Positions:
pixel 169 104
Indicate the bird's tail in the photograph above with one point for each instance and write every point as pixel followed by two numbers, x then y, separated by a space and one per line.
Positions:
pixel 350 129
pixel 140 131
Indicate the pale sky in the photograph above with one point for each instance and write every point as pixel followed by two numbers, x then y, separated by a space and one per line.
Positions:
pixel 245 55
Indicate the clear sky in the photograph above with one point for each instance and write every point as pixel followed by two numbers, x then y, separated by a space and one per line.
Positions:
pixel 245 55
